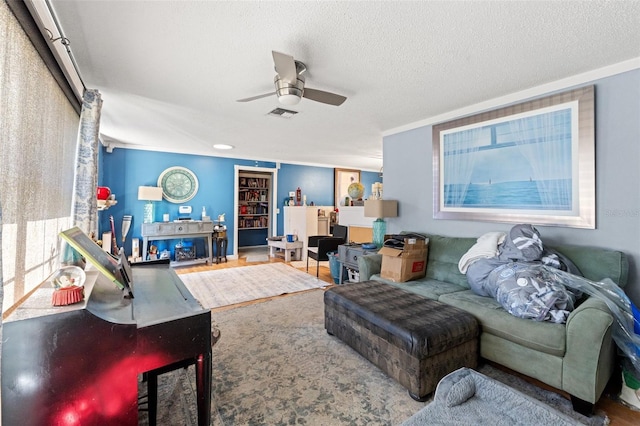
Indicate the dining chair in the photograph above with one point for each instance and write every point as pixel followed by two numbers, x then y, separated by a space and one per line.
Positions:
pixel 319 245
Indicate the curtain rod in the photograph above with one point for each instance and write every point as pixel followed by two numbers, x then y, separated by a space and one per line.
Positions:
pixel 40 43
pixel 45 16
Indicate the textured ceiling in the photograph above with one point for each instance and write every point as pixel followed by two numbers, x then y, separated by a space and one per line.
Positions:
pixel 170 72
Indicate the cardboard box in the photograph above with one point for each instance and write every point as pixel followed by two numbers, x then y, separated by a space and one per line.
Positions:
pixel 407 264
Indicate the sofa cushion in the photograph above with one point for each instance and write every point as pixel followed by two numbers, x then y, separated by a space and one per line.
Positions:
pixel 444 255
pixel 425 287
pixel 596 263
pixel 540 336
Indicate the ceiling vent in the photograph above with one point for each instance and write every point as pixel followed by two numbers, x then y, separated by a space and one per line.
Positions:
pixel 281 112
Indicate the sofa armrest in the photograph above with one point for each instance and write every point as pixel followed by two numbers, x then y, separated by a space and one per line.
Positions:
pixel 590 352
pixel 368 265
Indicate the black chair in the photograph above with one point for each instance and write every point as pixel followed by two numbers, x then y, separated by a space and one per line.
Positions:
pixel 319 245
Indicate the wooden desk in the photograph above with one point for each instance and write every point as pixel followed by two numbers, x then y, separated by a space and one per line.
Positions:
pixel 178 230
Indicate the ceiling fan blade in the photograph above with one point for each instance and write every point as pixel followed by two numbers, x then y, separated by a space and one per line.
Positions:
pixel 324 97
pixel 253 98
pixel 285 66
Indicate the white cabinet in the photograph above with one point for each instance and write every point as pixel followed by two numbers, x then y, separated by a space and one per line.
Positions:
pixel 354 216
pixel 303 221
pixel 360 227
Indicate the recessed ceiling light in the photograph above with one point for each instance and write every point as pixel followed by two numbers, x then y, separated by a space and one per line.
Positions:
pixel 223 146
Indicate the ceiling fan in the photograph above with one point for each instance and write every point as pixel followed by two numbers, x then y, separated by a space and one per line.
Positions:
pixel 289 82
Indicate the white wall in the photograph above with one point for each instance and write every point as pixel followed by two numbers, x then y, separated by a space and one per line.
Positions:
pixel 408 178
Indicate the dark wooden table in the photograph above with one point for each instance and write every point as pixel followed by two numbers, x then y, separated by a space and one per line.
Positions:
pixel 79 365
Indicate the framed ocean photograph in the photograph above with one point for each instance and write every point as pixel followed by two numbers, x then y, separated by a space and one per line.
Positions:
pixel 533 162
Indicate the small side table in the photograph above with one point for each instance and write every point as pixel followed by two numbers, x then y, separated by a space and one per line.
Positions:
pixel 220 242
pixel 348 256
pixel 287 247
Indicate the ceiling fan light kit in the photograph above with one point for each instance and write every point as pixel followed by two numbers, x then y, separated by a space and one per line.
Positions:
pixel 289 93
pixel 287 99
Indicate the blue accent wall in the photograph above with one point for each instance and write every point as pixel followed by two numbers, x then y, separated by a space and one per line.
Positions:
pixel 317 183
pixel 124 170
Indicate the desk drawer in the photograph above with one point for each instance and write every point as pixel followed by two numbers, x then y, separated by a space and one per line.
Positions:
pixel 191 227
pixel 157 229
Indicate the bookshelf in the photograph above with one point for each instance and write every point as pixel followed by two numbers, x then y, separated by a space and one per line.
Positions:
pixel 254 210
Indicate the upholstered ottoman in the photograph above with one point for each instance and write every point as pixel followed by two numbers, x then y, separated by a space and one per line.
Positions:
pixel 415 340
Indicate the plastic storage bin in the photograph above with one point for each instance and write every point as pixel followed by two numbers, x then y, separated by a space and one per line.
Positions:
pixel 334 266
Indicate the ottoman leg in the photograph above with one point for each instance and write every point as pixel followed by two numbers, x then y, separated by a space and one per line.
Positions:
pixel 419 398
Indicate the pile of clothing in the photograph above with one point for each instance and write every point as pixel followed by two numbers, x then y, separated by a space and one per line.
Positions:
pixel 397 241
pixel 516 269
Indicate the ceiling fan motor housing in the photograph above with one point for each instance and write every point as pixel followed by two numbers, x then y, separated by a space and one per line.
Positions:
pixel 286 90
pixel 290 92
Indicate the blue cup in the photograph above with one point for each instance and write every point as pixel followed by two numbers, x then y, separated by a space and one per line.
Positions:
pixel 290 238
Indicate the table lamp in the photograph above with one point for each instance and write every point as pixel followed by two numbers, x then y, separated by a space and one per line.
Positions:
pixel 380 209
pixel 149 194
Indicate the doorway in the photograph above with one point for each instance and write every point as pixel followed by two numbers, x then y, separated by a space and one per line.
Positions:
pixel 255 217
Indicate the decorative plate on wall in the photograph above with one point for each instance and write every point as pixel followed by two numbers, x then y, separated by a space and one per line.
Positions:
pixel 179 184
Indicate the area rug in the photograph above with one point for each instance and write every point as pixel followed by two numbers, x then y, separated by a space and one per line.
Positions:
pixel 312 263
pixel 275 364
pixel 257 258
pixel 224 287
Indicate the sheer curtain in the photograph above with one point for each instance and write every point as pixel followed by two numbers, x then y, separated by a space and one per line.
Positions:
pixel 38 144
pixel 545 141
pixel 459 158
pixel 38 136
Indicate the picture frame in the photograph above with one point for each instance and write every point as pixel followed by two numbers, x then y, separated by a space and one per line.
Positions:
pixel 532 162
pixel 342 179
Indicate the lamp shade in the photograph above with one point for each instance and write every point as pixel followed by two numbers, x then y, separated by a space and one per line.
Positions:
pixel 380 208
pixel 150 193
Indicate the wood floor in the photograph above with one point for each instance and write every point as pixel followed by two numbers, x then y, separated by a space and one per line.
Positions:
pixel 619 414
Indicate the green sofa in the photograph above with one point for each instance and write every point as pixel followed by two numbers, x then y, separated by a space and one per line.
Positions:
pixel 577 357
